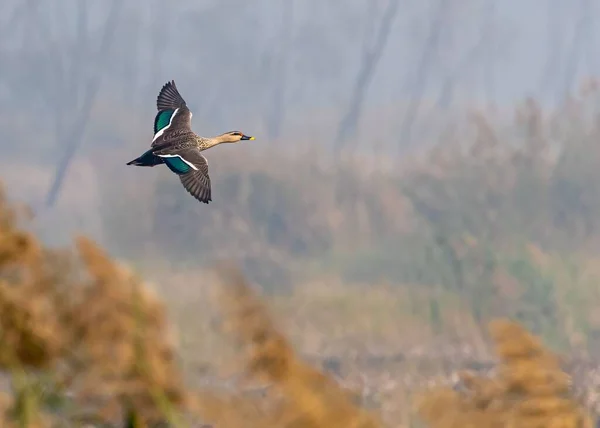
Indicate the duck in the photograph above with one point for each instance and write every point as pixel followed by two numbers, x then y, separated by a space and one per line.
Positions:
pixel 178 147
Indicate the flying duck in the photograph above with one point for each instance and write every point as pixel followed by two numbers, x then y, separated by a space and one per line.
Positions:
pixel 177 146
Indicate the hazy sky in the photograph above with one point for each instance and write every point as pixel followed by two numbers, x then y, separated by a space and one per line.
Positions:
pixel 238 44
pixel 246 62
pixel 253 65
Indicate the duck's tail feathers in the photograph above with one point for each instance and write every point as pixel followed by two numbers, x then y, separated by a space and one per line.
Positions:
pixel 147 159
pixel 136 162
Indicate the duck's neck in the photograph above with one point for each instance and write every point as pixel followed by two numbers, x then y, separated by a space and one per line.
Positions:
pixel 208 142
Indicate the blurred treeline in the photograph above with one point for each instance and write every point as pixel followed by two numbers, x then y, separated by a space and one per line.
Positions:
pixel 507 217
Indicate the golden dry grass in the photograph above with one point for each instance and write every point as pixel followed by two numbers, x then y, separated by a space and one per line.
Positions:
pixel 305 396
pixel 529 390
pixel 87 322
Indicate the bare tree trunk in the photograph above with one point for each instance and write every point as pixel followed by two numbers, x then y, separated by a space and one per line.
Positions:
pixel 488 35
pixel 276 116
pixel 481 54
pixel 13 26
pixel 574 57
pixel 590 39
pixel 553 60
pixel 160 41
pixel 421 74
pixel 371 57
pixel 77 131
pixel 16 16
pixel 445 98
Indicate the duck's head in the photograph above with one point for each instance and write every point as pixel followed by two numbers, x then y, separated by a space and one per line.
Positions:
pixel 234 137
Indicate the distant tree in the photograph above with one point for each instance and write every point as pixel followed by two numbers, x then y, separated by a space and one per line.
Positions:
pixel 79 86
pixel 279 61
pixel 371 55
pixel 428 52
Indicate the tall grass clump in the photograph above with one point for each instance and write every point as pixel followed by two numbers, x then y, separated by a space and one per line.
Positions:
pixel 81 338
pixel 302 396
pixel 528 390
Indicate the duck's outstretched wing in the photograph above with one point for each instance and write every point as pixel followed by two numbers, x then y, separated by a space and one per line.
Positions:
pixel 173 113
pixel 192 169
pixel 169 97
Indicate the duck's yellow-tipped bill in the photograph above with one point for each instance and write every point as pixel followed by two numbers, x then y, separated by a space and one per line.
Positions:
pixel 246 137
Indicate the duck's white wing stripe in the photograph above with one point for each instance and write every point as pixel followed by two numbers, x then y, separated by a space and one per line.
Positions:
pixel 191 165
pixel 159 133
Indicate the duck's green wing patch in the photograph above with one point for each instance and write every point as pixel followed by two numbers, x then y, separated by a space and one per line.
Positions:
pixel 173 112
pixel 169 120
pixel 163 119
pixel 177 164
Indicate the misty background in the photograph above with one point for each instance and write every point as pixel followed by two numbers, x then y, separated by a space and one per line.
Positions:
pixel 339 95
pixel 420 168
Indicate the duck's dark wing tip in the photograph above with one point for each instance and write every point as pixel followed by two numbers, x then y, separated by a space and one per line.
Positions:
pixel 197 184
pixel 169 97
pixel 196 181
